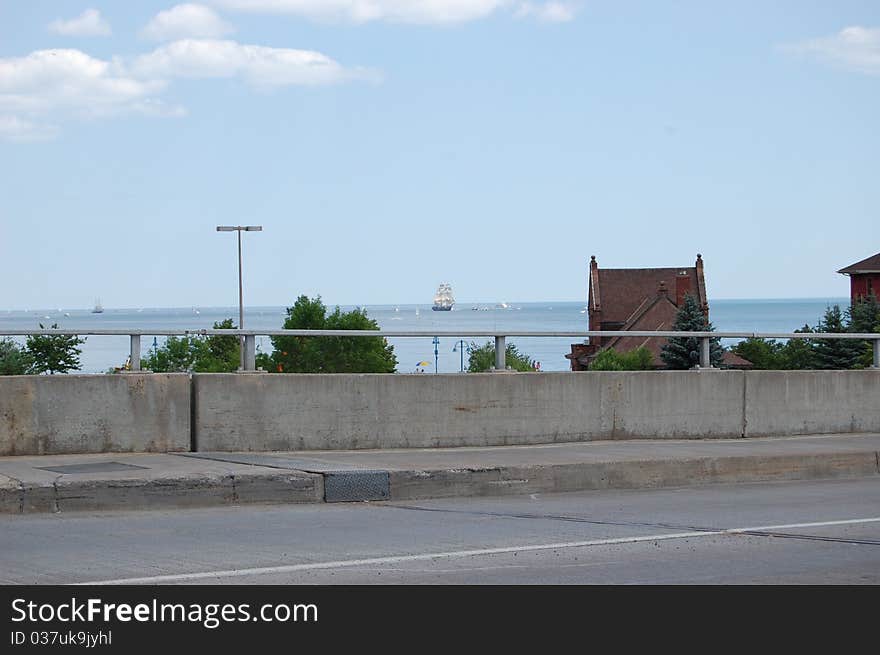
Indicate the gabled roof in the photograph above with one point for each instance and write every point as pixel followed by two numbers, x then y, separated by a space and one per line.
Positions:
pixel 869 265
pixel 657 313
pixel 621 293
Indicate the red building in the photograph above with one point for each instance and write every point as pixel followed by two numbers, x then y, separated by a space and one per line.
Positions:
pixel 864 278
pixel 639 299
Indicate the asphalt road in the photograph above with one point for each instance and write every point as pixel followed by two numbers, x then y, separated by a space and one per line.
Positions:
pixel 817 532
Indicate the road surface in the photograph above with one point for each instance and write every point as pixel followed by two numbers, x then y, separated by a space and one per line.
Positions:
pixel 816 532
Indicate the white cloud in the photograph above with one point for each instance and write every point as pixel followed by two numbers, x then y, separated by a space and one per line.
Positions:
pixel 48 87
pixel 71 80
pixel 362 11
pixel 88 23
pixel 13 128
pixel 258 65
pixel 547 12
pixel 185 21
pixel 854 48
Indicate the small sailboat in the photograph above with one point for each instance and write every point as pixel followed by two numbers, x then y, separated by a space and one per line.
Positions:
pixel 98 308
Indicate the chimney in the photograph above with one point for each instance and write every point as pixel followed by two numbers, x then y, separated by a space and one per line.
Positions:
pixel 701 287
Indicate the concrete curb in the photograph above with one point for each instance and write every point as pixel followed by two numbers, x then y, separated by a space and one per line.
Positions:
pixel 161 493
pixel 283 485
pixel 649 474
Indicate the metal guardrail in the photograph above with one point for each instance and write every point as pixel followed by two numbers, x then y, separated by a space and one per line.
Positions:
pixel 500 339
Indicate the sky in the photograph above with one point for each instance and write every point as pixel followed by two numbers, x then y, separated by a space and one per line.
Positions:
pixel 387 146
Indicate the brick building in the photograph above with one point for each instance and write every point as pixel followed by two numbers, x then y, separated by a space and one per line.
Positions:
pixel 864 278
pixel 639 299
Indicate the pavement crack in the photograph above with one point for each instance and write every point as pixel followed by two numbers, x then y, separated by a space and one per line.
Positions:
pixel 810 537
pixel 55 499
pixel 234 489
pixel 556 517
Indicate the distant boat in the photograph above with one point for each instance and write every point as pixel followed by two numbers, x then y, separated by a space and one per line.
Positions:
pixel 98 308
pixel 443 299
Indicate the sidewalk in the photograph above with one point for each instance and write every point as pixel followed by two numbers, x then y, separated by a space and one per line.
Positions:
pixel 119 481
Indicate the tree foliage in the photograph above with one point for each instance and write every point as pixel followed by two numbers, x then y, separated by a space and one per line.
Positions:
pixel 482 358
pixel 197 353
pixel 54 353
pixel 835 353
pixel 762 353
pixel 639 359
pixel 14 360
pixel 863 316
pixel 684 352
pixel 328 354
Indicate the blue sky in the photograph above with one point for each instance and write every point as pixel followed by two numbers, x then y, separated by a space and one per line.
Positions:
pixel 390 145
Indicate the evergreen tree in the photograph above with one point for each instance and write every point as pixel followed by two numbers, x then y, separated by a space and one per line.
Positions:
pixel 835 353
pixel 684 352
pixel 863 316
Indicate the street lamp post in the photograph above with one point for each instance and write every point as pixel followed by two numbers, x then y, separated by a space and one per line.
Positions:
pixel 240 229
pixel 460 348
pixel 436 353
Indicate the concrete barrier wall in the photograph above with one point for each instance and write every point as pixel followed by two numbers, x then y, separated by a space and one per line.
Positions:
pixel 56 414
pixel 811 402
pixel 259 412
pixel 316 412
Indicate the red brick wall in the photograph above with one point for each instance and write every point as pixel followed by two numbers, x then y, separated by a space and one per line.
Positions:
pixel 682 287
pixel 862 285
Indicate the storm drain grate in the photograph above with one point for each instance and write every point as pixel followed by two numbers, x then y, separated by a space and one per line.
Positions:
pixel 92 467
pixel 343 486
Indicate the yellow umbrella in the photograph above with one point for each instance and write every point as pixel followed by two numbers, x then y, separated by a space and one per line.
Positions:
pixel 423 364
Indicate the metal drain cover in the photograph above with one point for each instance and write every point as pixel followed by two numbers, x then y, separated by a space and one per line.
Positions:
pixel 350 486
pixel 92 467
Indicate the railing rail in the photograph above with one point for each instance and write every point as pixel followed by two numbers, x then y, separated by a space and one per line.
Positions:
pixel 499 336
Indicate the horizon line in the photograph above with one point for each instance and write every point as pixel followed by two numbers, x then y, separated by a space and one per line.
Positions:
pixel 409 304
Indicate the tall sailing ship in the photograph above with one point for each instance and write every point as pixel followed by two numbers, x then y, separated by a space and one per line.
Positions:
pixel 443 299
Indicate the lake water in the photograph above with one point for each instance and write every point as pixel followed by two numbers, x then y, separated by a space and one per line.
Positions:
pixel 102 353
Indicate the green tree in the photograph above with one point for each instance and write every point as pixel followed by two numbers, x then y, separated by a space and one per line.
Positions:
pixel 638 359
pixel 835 353
pixel 14 360
pixel 220 354
pixel 198 353
pixel 863 316
pixel 54 353
pixel 762 353
pixel 328 354
pixel 684 352
pixel 482 358
pixel 798 354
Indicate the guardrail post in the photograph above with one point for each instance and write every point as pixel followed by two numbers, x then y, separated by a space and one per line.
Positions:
pixel 705 358
pixel 500 354
pixel 135 354
pixel 250 353
pixel 876 353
